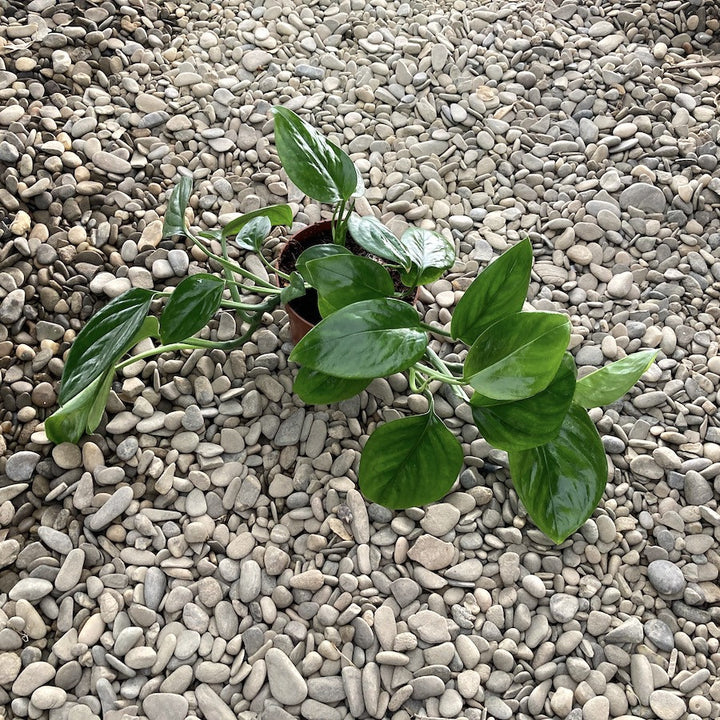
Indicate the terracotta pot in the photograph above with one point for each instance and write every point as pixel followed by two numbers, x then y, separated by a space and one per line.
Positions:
pixel 303 312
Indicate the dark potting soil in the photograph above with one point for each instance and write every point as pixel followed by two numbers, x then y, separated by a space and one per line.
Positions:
pixel 306 306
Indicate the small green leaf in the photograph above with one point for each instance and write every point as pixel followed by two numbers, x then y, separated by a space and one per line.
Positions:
pixel 408 462
pixel 561 483
pixel 431 255
pixel 276 214
pixel 341 280
pixel 191 306
pixel 174 221
pixel 316 166
pixel 102 341
pixel 373 236
pixel 498 291
pixel 523 424
pixel 294 290
pixel 368 339
pixel 82 413
pixel 315 252
pixel 317 388
pixel 252 235
pixel 518 356
pixel 610 383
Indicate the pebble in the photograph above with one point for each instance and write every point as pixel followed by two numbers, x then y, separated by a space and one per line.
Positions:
pixel 666 577
pixel 287 685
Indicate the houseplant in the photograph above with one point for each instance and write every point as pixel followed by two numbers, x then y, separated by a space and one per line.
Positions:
pixel 517 376
pixel 324 172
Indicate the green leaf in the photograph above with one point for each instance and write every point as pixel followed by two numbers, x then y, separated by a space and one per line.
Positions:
pixel 373 236
pixel 408 462
pixel 368 339
pixel 345 279
pixel 315 252
pixel 150 328
pixel 193 303
pixel 102 340
pixel 524 424
pixel 431 254
pixel 561 483
pixel 317 388
pixel 609 383
pixel 252 235
pixel 294 290
pixel 82 413
pixel 498 291
pixel 517 356
pixel 174 221
pixel 316 166
pixel 276 214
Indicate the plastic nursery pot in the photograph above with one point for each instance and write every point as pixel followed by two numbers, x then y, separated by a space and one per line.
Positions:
pixel 303 312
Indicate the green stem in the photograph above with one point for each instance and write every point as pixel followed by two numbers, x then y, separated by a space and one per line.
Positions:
pixel 228 265
pixel 254 289
pixel 338 238
pixel 437 331
pixel 446 375
pixel 172 347
pixel 437 375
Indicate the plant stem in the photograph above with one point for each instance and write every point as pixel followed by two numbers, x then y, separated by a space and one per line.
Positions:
pixel 437 331
pixel 172 347
pixel 338 235
pixel 446 376
pixel 228 265
pixel 255 289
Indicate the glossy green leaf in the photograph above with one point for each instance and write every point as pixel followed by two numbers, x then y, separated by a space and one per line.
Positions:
pixel 82 413
pixel 276 214
pixel 341 280
pixel 373 236
pixel 523 424
pixel 252 235
pixel 561 483
pixel 315 252
pixel 191 306
pixel 431 254
pixel 150 328
pixel 317 388
pixel 517 356
pixel 368 339
pixel 316 166
pixel 408 462
pixel 498 291
pixel 610 383
pixel 102 340
pixel 174 221
pixel 294 290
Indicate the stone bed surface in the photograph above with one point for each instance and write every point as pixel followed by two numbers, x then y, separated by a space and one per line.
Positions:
pixel 205 554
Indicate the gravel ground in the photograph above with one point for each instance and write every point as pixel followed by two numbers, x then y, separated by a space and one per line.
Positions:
pixel 205 553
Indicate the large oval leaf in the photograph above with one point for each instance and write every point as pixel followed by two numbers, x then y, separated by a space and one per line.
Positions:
pixel 342 280
pixel 252 235
pixel 373 236
pixel 431 255
pixel 408 462
pixel 276 214
pixel 316 166
pixel 561 483
pixel 102 341
pixel 498 291
pixel 367 339
pixel 191 306
pixel 82 413
pixel 317 388
pixel 524 424
pixel 517 356
pixel 610 383
pixel 174 221
pixel 315 252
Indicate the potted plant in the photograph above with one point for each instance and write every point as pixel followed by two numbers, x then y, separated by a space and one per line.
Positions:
pixel 517 376
pixel 324 172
